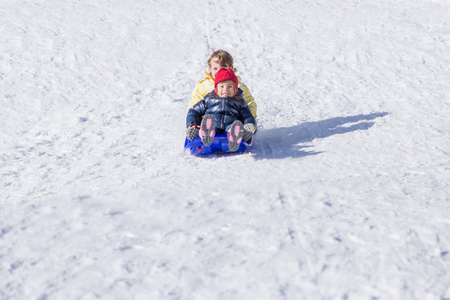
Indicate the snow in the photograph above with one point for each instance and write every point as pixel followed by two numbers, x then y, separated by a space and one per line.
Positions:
pixel 345 194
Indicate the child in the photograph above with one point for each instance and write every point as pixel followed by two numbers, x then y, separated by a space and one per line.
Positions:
pixel 219 59
pixel 223 110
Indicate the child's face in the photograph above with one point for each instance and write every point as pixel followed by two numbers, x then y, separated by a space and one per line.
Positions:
pixel 226 88
pixel 214 67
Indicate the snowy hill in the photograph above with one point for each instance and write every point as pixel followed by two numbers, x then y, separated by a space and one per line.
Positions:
pixel 345 194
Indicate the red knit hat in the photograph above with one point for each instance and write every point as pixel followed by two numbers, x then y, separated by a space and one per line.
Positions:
pixel 225 74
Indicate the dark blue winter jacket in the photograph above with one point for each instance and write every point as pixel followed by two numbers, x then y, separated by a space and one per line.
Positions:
pixel 224 110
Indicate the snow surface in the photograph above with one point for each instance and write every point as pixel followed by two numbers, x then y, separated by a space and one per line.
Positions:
pixel 345 195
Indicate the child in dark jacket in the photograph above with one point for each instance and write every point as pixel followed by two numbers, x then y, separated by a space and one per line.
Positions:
pixel 220 59
pixel 223 110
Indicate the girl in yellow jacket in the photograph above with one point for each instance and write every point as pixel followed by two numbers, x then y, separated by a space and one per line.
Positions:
pixel 217 60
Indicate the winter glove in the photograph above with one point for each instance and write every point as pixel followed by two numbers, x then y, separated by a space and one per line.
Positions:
pixel 249 131
pixel 192 133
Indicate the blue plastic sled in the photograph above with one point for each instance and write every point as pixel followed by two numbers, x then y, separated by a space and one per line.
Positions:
pixel 220 143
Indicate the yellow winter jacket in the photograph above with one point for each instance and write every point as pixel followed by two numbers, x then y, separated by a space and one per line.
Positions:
pixel 206 85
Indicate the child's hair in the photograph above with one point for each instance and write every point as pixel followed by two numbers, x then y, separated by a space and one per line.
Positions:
pixel 223 58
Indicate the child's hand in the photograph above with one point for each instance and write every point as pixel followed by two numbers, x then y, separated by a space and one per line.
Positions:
pixel 249 131
pixel 192 132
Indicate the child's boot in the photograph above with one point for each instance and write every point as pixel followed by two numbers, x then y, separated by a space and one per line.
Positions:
pixel 207 129
pixel 235 134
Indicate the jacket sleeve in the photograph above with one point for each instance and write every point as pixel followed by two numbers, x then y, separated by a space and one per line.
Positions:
pixel 195 114
pixel 249 99
pixel 247 115
pixel 202 88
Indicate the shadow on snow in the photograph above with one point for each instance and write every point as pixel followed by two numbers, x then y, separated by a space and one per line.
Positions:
pixel 278 143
